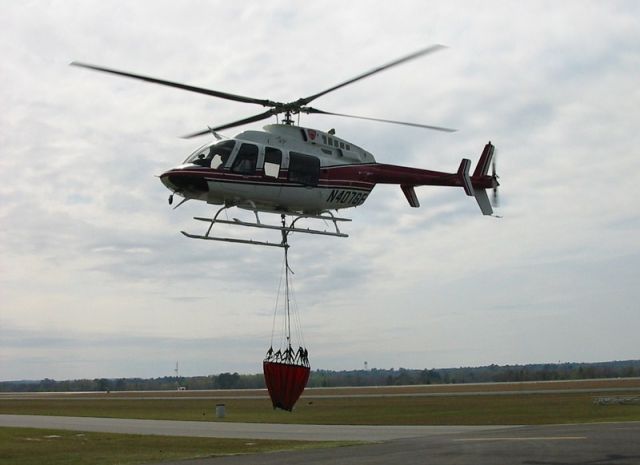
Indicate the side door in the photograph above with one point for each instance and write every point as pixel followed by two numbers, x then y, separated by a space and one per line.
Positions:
pixel 272 164
pixel 245 162
pixel 302 192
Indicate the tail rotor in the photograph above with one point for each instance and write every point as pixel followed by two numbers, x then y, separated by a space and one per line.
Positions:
pixel 494 181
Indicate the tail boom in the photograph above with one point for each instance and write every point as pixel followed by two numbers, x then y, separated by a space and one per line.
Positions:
pixel 409 178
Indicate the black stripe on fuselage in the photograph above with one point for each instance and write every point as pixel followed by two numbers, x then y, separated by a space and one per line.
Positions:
pixel 290 184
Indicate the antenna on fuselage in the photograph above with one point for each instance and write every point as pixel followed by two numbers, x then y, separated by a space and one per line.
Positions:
pixel 215 134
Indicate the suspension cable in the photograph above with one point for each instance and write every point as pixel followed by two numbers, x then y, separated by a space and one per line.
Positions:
pixel 284 350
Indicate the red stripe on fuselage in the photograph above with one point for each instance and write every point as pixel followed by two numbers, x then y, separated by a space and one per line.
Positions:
pixel 356 176
pixel 343 177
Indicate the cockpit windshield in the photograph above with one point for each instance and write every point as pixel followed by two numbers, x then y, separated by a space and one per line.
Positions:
pixel 214 156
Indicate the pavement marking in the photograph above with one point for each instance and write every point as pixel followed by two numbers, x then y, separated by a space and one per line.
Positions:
pixel 534 438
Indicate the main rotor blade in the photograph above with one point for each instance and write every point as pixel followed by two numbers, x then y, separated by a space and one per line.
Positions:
pixel 250 119
pixel 404 123
pixel 199 90
pixel 419 53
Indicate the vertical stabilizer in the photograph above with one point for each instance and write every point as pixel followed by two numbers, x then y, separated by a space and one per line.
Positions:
pixel 482 168
pixel 483 181
pixel 410 194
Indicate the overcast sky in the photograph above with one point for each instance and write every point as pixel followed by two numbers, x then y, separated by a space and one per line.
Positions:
pixel 97 281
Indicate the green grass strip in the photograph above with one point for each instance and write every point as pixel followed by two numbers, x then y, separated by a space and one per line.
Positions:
pixel 522 409
pixel 26 446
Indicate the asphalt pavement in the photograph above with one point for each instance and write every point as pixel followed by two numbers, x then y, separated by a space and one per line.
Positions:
pixel 593 444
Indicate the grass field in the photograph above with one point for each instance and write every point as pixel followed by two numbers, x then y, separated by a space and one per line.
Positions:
pixel 404 405
pixel 24 446
pixel 588 384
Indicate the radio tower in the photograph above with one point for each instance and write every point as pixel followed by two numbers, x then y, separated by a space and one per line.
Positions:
pixel 177 377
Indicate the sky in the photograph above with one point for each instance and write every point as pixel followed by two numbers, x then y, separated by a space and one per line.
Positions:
pixel 97 281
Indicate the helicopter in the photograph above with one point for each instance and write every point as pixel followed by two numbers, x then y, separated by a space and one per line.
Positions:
pixel 300 172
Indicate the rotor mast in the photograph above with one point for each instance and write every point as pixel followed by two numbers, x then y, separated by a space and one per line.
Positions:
pixel 287 118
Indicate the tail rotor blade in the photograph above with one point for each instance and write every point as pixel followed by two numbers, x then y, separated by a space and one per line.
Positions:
pixel 495 177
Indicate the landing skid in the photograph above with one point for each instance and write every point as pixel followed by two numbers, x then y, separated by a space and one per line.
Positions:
pixel 283 228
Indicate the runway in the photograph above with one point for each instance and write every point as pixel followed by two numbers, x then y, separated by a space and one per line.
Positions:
pixel 235 430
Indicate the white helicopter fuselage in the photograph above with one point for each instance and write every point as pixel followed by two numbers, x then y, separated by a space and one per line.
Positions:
pixel 295 170
pixel 281 169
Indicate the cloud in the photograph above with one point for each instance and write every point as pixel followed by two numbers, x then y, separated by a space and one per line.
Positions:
pixel 91 251
pixel 64 354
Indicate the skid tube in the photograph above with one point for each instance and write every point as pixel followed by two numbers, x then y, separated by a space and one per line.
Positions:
pixel 286 230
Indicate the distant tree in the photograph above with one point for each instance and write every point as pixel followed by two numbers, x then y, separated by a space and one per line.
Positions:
pixel 103 384
pixel 328 378
pixel 228 381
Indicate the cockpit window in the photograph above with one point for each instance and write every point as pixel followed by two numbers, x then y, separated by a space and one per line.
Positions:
pixel 213 156
pixel 220 153
pixel 199 154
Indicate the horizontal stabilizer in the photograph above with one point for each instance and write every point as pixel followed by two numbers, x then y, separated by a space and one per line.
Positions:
pixel 483 201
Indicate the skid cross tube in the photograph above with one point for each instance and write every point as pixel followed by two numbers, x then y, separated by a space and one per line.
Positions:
pixel 283 228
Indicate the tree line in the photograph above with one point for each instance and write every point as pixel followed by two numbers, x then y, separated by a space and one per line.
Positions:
pixel 330 378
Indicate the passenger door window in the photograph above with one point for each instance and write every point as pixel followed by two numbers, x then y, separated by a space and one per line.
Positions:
pixel 246 160
pixel 272 162
pixel 304 169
